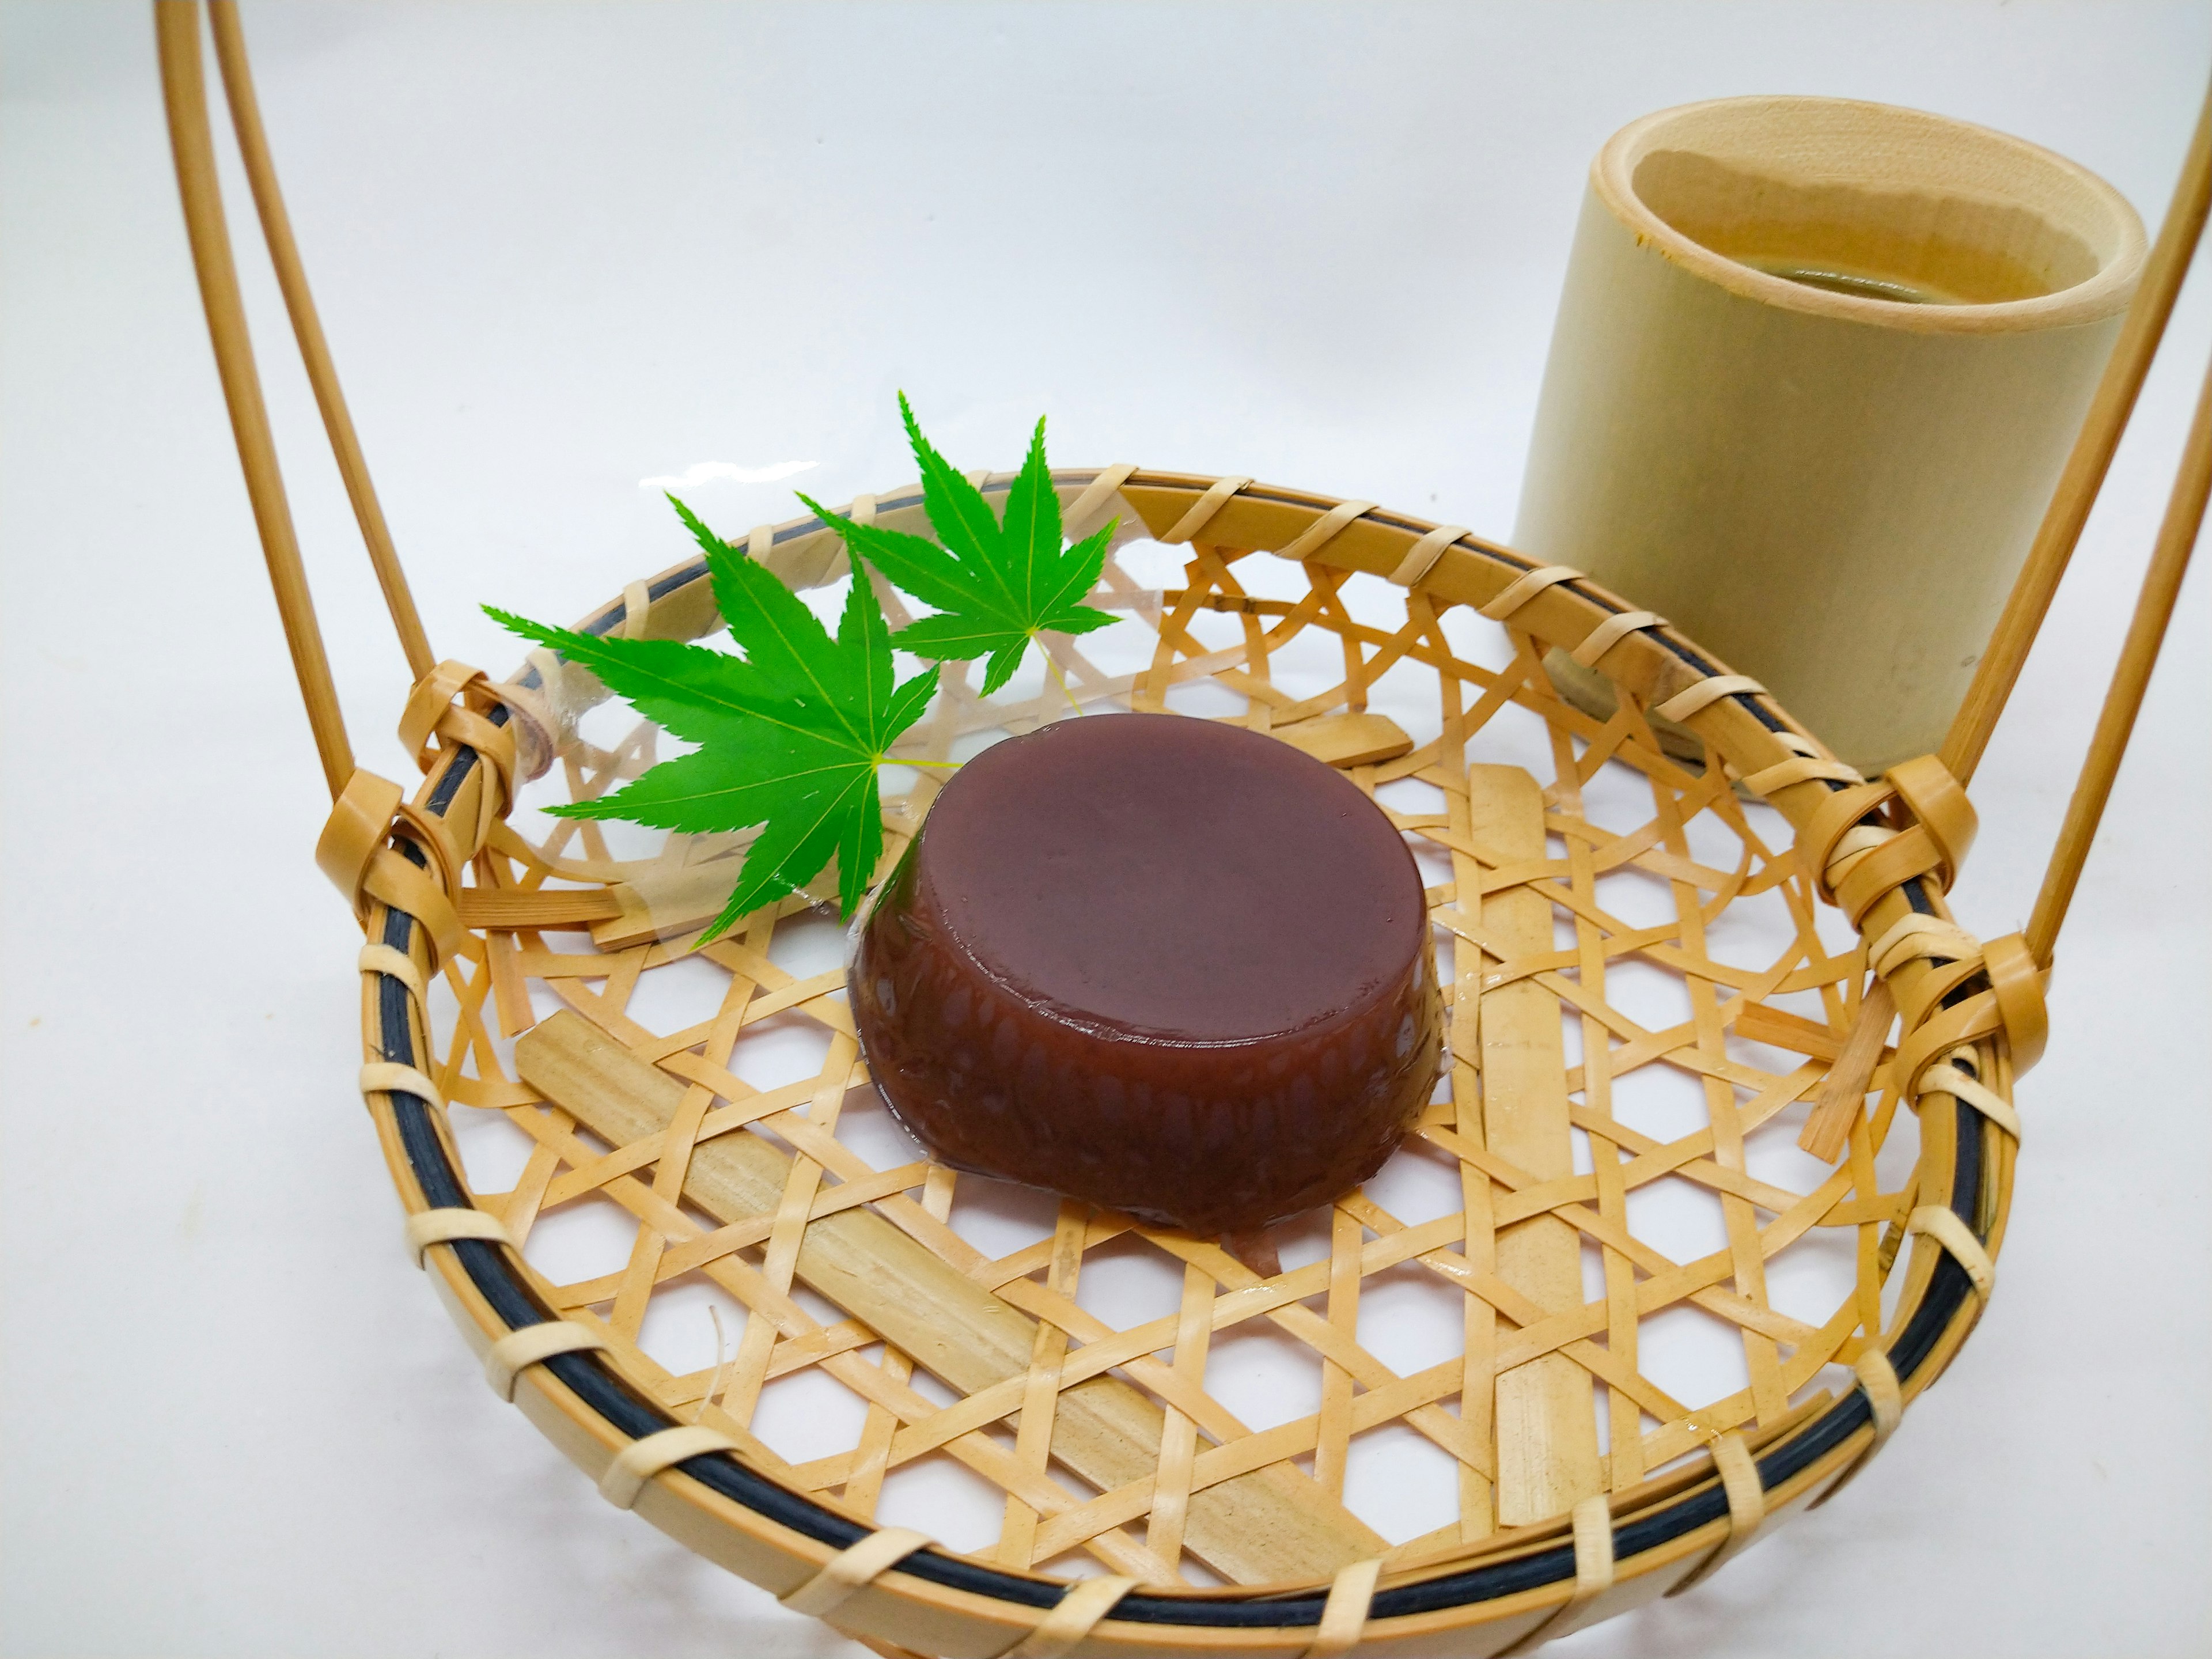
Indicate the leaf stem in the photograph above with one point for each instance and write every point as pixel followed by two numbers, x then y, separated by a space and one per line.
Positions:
pixel 1053 669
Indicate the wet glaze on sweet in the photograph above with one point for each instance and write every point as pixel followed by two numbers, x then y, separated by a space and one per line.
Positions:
pixel 1165 965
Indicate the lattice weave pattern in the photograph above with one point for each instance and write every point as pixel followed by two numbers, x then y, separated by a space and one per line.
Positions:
pixel 1105 1440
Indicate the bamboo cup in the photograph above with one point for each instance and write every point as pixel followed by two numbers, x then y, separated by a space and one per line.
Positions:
pixel 1816 368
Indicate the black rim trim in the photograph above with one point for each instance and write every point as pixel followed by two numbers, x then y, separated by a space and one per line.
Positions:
pixel 599 1386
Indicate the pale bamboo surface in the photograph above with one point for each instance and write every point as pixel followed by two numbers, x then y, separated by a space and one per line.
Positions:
pixel 1757 457
pixel 1546 1431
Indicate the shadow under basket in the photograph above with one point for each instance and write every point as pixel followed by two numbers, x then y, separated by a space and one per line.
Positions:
pixel 1682 888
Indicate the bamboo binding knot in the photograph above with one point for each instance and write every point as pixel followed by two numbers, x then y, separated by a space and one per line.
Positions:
pixel 852 1569
pixel 1594 1563
pixel 1806 762
pixel 453 704
pixel 1941 1222
pixel 2011 1011
pixel 1421 557
pixel 384 1077
pixel 637 1464
pixel 1344 1615
pixel 449 1225
pixel 1867 840
pixel 1203 509
pixel 1611 632
pixel 355 852
pixel 1501 605
pixel 1953 1078
pixel 1072 1618
pixel 1087 512
pixel 1916 938
pixel 1747 1502
pixel 1885 1398
pixel 807 559
pixel 1323 530
pixel 2018 987
pixel 1957 956
pixel 1065 1624
pixel 1700 694
pixel 533 715
pixel 2012 1008
pixel 376 958
pixel 533 1345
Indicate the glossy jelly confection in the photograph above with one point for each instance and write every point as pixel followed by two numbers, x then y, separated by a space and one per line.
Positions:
pixel 1168 966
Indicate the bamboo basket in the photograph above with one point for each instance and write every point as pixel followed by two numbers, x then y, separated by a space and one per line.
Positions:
pixel 507 972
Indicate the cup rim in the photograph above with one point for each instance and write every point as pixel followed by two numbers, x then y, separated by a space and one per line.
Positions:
pixel 2101 294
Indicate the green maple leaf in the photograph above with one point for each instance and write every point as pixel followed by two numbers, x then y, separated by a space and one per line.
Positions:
pixel 790 735
pixel 995 586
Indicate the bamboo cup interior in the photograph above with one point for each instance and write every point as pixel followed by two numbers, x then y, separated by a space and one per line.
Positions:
pixel 1884 215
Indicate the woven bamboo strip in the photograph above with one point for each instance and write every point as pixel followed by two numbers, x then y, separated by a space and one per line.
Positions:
pixel 1041 1391
pixel 1257 1527
pixel 863 1486
pixel 1625 1428
pixel 1547 1455
pixel 1170 1508
pixel 1478 1486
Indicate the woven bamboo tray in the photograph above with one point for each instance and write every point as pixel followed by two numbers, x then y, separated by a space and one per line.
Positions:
pixel 1550 1532
pixel 1791 909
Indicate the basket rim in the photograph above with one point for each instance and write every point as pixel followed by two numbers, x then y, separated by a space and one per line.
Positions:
pixel 427 1171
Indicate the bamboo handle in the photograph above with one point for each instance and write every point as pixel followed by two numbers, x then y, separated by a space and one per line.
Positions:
pixel 176 25
pixel 307 325
pixel 2011 642
pixel 2169 562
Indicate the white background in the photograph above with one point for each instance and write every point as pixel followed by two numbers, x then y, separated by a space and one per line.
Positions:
pixel 562 249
